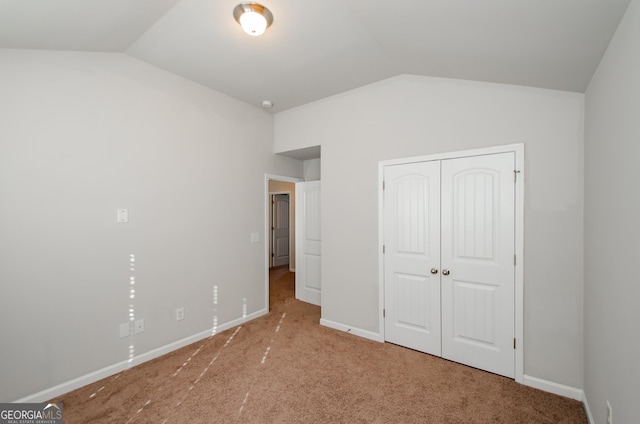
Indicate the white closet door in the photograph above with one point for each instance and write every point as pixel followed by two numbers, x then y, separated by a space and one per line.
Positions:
pixel 478 206
pixel 412 246
pixel 308 242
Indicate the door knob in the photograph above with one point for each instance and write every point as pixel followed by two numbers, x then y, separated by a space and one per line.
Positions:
pixel 445 272
pixel 434 270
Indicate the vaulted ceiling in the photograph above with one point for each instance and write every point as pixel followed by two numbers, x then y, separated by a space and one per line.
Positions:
pixel 315 49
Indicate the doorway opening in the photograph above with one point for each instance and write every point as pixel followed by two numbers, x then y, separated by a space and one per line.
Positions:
pixel 279 238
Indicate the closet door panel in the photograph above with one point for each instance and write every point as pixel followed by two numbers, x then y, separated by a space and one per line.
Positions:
pixel 477 256
pixel 412 246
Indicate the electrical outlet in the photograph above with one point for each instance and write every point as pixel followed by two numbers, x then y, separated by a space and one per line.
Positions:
pixel 609 413
pixel 179 314
pixel 123 216
pixel 139 326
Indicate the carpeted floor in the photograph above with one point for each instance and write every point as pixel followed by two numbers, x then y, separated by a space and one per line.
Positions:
pixel 286 368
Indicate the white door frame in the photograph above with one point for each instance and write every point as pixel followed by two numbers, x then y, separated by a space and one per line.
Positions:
pixel 267 227
pixel 518 150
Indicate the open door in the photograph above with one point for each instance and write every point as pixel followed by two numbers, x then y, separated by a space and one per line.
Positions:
pixel 308 244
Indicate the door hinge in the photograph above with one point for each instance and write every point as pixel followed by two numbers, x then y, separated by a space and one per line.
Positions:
pixel 514 343
pixel 514 260
pixel 384 313
pixel 515 175
pixel 383 184
pixel 273 254
pixel 383 249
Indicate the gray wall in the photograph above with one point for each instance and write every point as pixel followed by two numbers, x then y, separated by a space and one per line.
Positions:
pixel 612 228
pixel 311 169
pixel 84 134
pixel 409 116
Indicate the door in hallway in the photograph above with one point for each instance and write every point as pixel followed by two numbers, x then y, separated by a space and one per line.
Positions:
pixel 280 229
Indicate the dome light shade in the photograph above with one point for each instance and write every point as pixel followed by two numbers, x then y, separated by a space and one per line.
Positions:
pixel 253 17
pixel 253 23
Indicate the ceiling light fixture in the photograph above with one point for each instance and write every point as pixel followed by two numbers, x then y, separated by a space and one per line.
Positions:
pixel 253 17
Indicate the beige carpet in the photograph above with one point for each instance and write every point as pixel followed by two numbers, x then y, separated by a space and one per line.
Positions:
pixel 286 368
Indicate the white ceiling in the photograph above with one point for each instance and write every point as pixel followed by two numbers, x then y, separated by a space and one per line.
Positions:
pixel 315 49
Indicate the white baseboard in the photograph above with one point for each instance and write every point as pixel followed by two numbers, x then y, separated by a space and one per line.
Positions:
pixel 352 330
pixel 110 370
pixel 555 388
pixel 587 410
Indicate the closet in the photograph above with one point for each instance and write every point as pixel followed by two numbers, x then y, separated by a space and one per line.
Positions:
pixel 449 258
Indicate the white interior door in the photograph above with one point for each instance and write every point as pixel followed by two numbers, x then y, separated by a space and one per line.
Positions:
pixel 478 219
pixel 449 272
pixel 412 251
pixel 280 229
pixel 308 244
